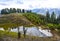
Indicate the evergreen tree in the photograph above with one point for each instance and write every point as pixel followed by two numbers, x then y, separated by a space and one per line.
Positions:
pixel 29 11
pixel 2 11
pixel 11 10
pixel 18 10
pixel 14 10
pixel 5 11
pixel 47 17
pixel 58 19
pixel 23 11
pixel 53 17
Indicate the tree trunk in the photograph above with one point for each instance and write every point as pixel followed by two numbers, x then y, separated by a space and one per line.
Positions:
pixel 19 34
pixel 24 30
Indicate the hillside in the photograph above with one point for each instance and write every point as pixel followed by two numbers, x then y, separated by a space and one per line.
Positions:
pixel 14 20
pixel 28 19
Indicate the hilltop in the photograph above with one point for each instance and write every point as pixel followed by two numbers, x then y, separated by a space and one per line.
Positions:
pixel 14 19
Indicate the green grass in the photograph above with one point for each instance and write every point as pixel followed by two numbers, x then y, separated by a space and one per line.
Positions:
pixel 6 33
pixel 13 35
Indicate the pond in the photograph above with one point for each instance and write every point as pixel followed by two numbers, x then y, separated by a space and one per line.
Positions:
pixel 33 31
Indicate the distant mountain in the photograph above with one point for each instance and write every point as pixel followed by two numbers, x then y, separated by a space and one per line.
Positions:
pixel 43 10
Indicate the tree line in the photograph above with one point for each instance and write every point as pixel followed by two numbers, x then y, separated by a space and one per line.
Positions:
pixel 50 20
pixel 14 10
pixel 53 18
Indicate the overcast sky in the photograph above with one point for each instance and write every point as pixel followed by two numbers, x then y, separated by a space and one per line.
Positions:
pixel 29 4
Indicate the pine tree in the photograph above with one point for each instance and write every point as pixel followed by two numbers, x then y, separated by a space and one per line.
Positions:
pixel 11 10
pixel 53 17
pixel 23 11
pixel 58 19
pixel 47 17
pixel 18 10
pixel 14 10
pixel 5 11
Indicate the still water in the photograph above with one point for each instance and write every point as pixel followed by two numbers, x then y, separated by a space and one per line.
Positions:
pixel 32 31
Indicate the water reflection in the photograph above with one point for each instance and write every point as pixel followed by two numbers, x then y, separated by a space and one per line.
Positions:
pixel 32 31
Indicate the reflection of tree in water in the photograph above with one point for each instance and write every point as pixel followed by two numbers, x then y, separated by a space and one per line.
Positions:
pixel 14 20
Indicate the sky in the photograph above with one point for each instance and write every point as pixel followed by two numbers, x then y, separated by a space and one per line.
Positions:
pixel 29 4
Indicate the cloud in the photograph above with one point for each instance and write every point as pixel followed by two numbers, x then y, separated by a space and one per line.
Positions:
pixel 3 4
pixel 29 4
pixel 19 2
pixel 5 0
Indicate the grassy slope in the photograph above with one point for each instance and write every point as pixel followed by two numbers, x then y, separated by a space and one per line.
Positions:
pixel 13 36
pixel 12 20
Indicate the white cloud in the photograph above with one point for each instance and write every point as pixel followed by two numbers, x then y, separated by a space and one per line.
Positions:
pixel 31 4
